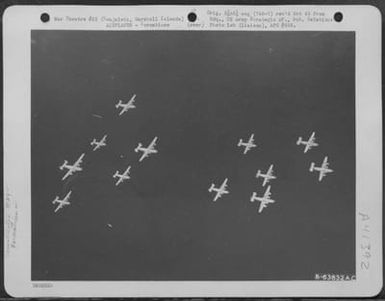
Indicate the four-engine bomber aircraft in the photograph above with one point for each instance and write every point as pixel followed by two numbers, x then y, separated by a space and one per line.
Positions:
pixel 147 150
pixel 219 191
pixel 267 176
pixel 323 169
pixel 72 168
pixel 63 202
pixel 99 144
pixel 126 106
pixel 308 144
pixel 265 200
pixel 248 145
pixel 123 176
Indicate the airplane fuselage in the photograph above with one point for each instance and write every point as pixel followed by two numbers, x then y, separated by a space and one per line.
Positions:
pixel 218 190
pixel 264 202
pixel 307 143
pixel 61 204
pixel 323 170
pixel 247 145
pixel 98 145
pixel 71 167
pixel 244 144
pixel 125 107
pixel 219 193
pixel 121 179
pixel 266 178
pixel 146 150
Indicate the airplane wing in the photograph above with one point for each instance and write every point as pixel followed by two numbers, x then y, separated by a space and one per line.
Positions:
pixel 217 195
pixel 61 205
pixel 264 204
pixel 104 139
pixel 127 171
pixel 267 193
pixel 223 186
pixel 117 175
pixel 265 180
pixel 325 163
pixel 144 155
pixel 251 140
pixel 58 207
pixel 312 137
pixel 80 160
pixel 67 196
pixel 132 100
pixel 69 172
pixel 153 143
pixel 310 142
pixel 270 171
pixel 261 206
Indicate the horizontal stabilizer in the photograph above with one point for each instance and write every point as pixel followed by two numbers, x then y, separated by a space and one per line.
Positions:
pixel 64 164
pixel 138 147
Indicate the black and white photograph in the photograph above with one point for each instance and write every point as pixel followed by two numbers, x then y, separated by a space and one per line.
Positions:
pixel 181 156
pixel 205 151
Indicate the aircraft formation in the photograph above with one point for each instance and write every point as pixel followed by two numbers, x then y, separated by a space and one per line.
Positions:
pixel 266 199
pixel 221 190
pixel 267 177
pixel 324 168
pixel 98 144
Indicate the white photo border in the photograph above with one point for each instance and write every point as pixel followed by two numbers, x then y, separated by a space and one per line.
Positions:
pixel 18 21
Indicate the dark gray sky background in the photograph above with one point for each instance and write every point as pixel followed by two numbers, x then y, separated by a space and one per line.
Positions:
pixel 199 92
